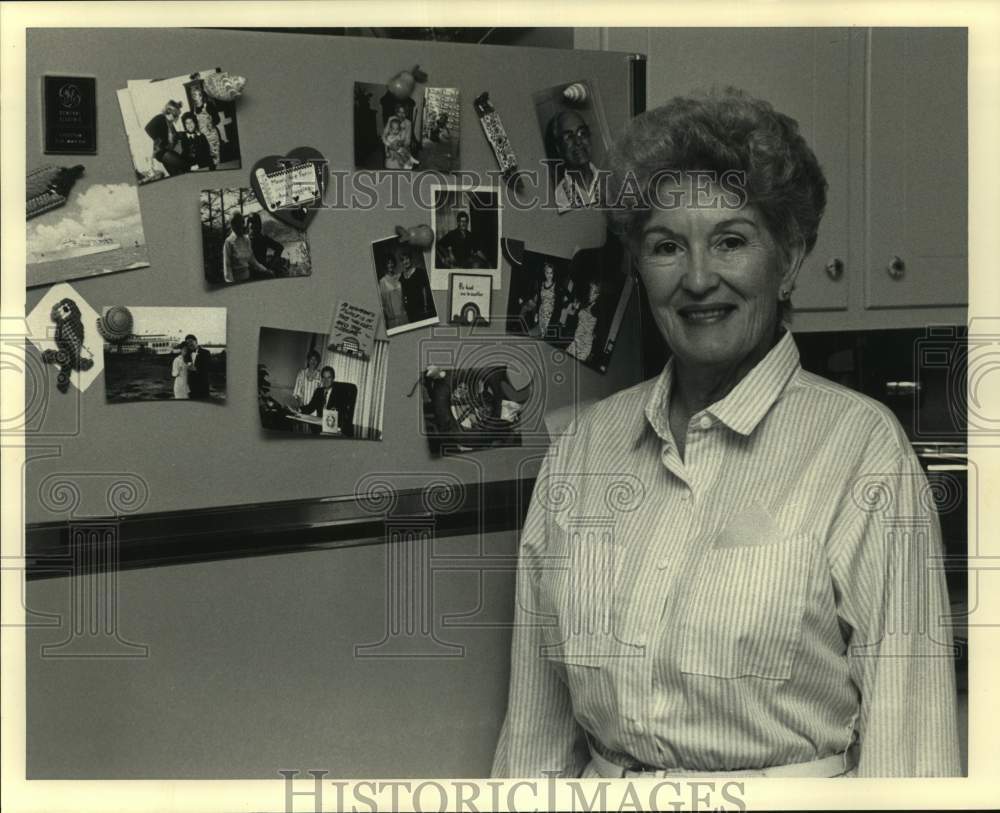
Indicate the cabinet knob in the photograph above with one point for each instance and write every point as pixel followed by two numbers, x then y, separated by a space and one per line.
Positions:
pixel 896 267
pixel 835 268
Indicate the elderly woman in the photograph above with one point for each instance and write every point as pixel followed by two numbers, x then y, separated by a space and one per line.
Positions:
pixel 728 569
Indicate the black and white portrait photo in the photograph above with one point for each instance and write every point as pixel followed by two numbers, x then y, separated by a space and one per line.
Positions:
pixel 242 242
pixel 467 230
pixel 574 132
pixel 400 125
pixel 307 386
pixel 174 127
pixel 404 288
pixel 576 304
pixel 171 353
pixel 580 416
pixel 473 408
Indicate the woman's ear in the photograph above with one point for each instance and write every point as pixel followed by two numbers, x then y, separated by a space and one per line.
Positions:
pixel 796 256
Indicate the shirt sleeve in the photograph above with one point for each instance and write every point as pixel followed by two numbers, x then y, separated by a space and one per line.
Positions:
pixel 300 387
pixel 893 602
pixel 540 735
pixel 227 268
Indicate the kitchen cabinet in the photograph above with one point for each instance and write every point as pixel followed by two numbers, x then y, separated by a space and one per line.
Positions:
pixel 885 111
pixel 916 170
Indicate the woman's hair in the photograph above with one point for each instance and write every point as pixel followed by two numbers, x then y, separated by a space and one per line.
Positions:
pixel 237 223
pixel 254 222
pixel 769 164
pixel 313 354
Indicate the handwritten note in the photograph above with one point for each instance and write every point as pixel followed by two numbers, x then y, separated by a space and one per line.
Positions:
pixel 353 330
pixel 471 298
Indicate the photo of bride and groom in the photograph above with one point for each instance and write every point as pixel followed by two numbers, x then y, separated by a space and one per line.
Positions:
pixel 190 369
pixel 147 360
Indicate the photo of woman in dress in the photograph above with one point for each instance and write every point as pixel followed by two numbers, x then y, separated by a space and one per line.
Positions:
pixel 586 323
pixel 391 291
pixel 546 298
pixel 179 370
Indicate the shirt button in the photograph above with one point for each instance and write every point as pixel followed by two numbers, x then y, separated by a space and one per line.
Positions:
pixel 638 727
pixel 686 496
pixel 705 422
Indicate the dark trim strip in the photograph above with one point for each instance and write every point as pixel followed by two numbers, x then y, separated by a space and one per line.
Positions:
pixel 637 82
pixel 64 548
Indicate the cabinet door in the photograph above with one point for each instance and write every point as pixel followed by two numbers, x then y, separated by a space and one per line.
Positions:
pixel 802 72
pixel 917 168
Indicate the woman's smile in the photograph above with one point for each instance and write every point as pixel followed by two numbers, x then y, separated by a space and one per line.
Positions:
pixel 705 314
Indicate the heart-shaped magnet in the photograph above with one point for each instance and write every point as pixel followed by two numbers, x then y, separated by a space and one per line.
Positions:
pixel 291 186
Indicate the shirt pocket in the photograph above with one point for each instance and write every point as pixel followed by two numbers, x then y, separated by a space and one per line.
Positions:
pixel 743 616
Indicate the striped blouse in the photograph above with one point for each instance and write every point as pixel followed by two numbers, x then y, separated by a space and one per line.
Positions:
pixel 771 599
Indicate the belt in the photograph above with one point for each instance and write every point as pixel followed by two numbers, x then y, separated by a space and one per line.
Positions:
pixel 833 765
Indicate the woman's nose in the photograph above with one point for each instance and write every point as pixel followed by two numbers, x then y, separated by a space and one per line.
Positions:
pixel 700 277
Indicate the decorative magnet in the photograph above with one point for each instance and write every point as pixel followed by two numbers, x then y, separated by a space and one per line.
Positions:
pixel 48 188
pixel 56 327
pixel 291 187
pixel 70 351
pixel 497 136
pixel 576 93
pixel 116 324
pixel 224 86
pixel 402 84
pixel 421 236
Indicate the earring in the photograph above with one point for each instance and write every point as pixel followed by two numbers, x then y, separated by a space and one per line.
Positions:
pixel 784 294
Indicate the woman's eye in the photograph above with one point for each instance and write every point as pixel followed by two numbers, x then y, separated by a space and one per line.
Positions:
pixel 666 248
pixel 731 242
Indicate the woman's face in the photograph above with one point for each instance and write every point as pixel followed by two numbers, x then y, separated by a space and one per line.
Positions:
pixel 548 273
pixel 189 125
pixel 312 363
pixel 713 274
pixel 196 96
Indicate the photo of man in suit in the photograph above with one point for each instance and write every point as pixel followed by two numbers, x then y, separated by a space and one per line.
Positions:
pixel 459 248
pixel 200 369
pixel 333 395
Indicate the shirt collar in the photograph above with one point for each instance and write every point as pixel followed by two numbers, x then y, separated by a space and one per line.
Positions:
pixel 748 402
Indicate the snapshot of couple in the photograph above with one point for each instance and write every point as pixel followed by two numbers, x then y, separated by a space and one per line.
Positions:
pixel 575 137
pixel 174 126
pixel 241 242
pixel 395 127
pixel 170 354
pixel 190 369
pixel 575 304
pixel 305 386
pixel 467 225
pixel 403 285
